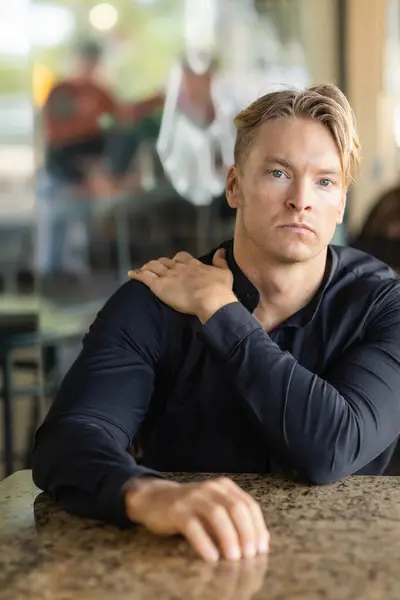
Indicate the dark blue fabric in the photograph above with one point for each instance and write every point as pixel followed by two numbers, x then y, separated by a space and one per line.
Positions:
pixel 319 397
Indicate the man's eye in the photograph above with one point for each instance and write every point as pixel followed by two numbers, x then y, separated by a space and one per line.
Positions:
pixel 325 182
pixel 277 173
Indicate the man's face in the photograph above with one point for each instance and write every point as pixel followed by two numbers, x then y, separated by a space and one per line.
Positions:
pixel 291 180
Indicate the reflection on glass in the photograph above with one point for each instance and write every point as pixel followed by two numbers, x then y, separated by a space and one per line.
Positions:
pixel 191 137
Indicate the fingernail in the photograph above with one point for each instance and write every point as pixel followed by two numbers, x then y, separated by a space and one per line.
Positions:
pixel 234 554
pixel 212 555
pixel 263 547
pixel 249 551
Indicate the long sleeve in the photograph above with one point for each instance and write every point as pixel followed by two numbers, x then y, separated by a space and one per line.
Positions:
pixel 80 456
pixel 325 427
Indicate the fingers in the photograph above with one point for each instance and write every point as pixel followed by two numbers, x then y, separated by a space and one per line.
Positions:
pixel 246 516
pixel 262 535
pixel 167 262
pixel 184 257
pixel 158 267
pixel 161 266
pixel 220 525
pixel 231 518
pixel 199 539
pixel 146 277
pixel 243 522
pixel 219 259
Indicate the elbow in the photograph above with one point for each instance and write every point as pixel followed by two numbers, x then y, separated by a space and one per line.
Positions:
pixel 325 471
pixel 331 458
pixel 323 477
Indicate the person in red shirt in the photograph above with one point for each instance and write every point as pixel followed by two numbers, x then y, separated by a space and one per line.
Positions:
pixel 76 117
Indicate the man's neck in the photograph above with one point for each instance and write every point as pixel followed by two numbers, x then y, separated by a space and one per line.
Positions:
pixel 284 288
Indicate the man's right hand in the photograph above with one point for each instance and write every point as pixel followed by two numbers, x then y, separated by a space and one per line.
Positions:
pixel 216 516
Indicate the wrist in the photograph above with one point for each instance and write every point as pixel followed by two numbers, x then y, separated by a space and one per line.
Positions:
pixel 209 306
pixel 137 493
pixel 134 491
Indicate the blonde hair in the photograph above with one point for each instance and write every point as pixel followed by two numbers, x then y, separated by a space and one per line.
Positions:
pixel 324 103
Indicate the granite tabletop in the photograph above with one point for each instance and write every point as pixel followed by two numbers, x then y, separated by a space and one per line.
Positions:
pixel 336 542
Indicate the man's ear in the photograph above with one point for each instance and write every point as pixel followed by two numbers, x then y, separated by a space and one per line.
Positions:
pixel 233 193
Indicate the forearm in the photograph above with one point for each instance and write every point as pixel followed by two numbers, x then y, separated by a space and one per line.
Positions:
pixel 80 457
pixel 319 430
pixel 84 468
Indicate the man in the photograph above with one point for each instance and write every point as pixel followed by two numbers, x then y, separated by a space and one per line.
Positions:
pixel 76 116
pixel 75 136
pixel 277 353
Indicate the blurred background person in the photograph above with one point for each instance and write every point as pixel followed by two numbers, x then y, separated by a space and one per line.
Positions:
pixel 380 234
pixel 77 116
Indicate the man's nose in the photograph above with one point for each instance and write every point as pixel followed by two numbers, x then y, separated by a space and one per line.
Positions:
pixel 299 197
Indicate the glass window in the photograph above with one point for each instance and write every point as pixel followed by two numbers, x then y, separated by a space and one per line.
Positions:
pixel 134 102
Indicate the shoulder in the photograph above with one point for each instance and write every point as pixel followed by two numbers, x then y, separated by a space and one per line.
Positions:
pixel 356 268
pixel 133 319
pixel 133 301
pixel 365 283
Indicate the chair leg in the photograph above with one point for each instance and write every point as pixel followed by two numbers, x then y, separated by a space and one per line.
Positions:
pixel 8 425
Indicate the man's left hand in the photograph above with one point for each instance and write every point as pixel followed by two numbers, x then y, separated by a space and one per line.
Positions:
pixel 188 285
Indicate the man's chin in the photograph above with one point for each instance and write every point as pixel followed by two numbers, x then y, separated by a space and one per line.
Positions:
pixel 293 255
